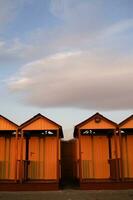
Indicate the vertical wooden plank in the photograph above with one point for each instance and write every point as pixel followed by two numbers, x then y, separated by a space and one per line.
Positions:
pixel 92 150
pixel 121 155
pixel 127 159
pixel 21 158
pixel 80 157
pixel 59 158
pixel 16 154
pixel 116 155
pixel 109 142
pixel 44 141
pixel 7 157
pixel 58 168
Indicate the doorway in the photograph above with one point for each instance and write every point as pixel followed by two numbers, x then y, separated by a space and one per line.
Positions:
pixel 68 164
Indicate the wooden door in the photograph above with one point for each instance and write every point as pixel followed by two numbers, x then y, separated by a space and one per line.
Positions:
pixel 7 158
pixel 127 146
pixel 42 158
pixel 94 157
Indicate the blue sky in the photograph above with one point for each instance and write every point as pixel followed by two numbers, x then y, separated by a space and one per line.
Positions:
pixel 66 59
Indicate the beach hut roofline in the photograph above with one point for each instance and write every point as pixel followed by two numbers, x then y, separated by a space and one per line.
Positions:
pixel 1 116
pixel 89 119
pixel 125 120
pixel 37 117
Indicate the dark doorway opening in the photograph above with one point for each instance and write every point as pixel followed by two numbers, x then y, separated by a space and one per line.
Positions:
pixel 68 179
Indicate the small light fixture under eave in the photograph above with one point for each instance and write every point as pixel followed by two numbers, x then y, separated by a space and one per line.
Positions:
pixel 50 133
pixel 42 133
pixel 122 132
pixel 14 133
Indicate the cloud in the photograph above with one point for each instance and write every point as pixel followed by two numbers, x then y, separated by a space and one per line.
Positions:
pixel 90 30
pixel 8 11
pixel 82 62
pixel 76 79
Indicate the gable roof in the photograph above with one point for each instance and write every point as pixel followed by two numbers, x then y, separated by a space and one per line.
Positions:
pixel 38 116
pixel 125 120
pixel 1 116
pixel 91 118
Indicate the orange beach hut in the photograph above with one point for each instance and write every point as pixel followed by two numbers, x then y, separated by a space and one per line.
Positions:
pixel 8 153
pixel 98 153
pixel 126 144
pixel 40 150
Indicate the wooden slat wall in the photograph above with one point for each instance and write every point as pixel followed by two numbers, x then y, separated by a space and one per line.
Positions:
pixel 86 157
pixel 95 155
pixel 127 145
pixel 113 150
pixel 104 124
pixel 6 125
pixel 7 158
pixel 101 157
pixel 127 148
pixel 51 158
pixel 41 124
pixel 43 158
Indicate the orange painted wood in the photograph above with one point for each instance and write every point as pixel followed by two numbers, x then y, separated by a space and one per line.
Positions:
pixel 104 124
pixel 6 125
pixel 42 158
pixel 41 124
pixel 116 154
pixel 128 156
pixel 127 146
pixel 121 156
pixel 95 156
pixel 7 158
pixel 80 156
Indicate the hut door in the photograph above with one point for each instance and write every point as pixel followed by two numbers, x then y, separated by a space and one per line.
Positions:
pixel 7 158
pixel 33 155
pixel 100 157
pixel 94 157
pixel 42 157
pixel 127 146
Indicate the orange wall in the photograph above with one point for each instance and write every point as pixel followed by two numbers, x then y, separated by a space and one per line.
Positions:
pixel 6 125
pixel 128 124
pixel 103 124
pixel 94 157
pixel 43 151
pixel 42 157
pixel 41 124
pixel 7 157
pixel 127 146
pixel 127 149
pixel 113 149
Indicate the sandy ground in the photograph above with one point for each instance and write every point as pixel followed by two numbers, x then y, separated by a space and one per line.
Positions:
pixel 69 195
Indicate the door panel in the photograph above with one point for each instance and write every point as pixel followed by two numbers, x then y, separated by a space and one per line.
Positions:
pixel 42 158
pixel 7 157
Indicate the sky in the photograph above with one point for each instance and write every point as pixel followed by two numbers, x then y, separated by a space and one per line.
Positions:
pixel 66 59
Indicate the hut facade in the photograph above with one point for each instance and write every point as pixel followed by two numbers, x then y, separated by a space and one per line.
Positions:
pixel 98 152
pixel 8 152
pixel 40 150
pixel 126 145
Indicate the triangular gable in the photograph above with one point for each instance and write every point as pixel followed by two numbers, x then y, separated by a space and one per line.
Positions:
pixel 6 124
pixel 127 123
pixel 96 121
pixel 40 122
